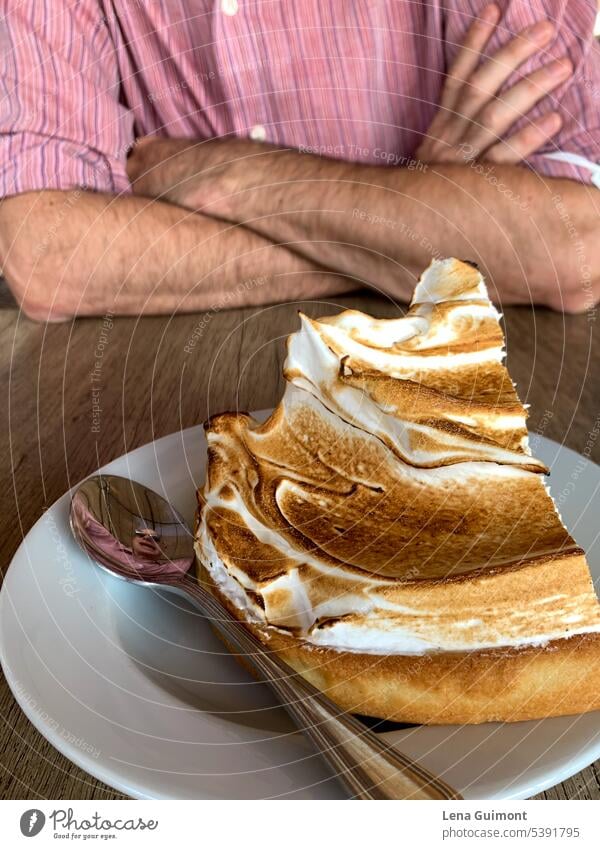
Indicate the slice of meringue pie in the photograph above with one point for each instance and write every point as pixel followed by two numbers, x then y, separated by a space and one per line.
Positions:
pixel 387 531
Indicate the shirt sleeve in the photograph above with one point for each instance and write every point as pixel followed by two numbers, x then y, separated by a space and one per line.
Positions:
pixel 575 151
pixel 61 123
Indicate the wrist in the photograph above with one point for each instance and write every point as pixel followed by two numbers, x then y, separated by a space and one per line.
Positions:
pixel 277 191
pixel 216 177
pixel 242 182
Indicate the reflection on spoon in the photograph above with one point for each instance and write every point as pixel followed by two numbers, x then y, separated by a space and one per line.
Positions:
pixel 130 529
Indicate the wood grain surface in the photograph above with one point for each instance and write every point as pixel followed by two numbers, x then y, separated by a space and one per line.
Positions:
pixel 160 374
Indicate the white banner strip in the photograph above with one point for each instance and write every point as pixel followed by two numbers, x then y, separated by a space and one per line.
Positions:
pixel 250 825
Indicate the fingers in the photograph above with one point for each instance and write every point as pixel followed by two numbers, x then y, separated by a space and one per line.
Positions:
pixel 526 141
pixel 497 116
pixel 469 55
pixel 471 114
pixel 487 80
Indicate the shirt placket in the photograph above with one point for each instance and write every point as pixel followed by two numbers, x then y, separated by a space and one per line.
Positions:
pixel 237 55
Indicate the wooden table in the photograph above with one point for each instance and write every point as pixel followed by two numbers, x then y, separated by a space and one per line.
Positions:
pixel 158 375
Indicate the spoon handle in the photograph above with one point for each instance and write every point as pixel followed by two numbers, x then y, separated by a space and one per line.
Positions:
pixel 368 768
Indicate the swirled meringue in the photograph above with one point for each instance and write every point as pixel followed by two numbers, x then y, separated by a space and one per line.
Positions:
pixel 390 504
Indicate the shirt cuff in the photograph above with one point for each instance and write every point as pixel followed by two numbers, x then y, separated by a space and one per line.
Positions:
pixel 581 162
pixel 567 164
pixel 32 162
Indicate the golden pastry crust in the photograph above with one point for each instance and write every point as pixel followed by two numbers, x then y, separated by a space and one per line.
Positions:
pixel 446 688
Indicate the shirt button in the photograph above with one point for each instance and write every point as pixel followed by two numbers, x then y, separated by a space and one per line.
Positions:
pixel 258 133
pixel 229 7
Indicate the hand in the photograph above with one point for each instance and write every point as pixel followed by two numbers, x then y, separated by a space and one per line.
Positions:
pixel 472 119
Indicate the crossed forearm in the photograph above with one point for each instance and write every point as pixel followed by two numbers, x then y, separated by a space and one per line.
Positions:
pixel 383 225
pixel 69 253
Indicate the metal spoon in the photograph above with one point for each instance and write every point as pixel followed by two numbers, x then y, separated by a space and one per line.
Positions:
pixel 132 532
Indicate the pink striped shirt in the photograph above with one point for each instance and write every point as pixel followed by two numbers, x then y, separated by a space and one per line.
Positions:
pixel 357 79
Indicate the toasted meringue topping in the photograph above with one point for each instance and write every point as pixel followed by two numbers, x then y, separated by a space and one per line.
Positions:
pixel 391 504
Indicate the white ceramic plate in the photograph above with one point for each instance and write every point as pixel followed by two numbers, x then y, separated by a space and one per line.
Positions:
pixel 131 685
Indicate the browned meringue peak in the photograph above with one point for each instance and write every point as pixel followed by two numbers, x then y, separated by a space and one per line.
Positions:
pixel 431 385
pixel 382 507
pixel 450 313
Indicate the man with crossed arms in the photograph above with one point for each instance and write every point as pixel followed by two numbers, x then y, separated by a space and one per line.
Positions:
pixel 155 157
